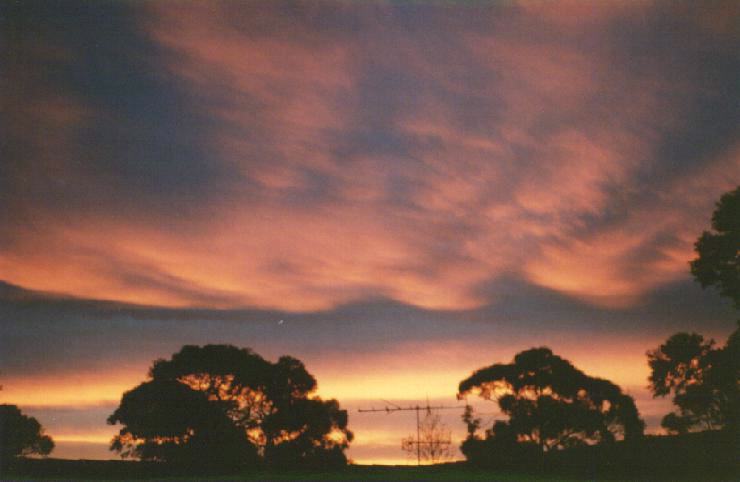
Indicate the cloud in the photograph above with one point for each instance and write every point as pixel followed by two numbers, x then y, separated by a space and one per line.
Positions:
pixel 301 158
pixel 109 346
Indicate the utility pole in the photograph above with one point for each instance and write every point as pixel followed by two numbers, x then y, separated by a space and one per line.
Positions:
pixel 392 407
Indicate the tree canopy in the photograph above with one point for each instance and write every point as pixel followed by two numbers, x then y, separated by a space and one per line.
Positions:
pixel 21 435
pixel 704 380
pixel 167 420
pixel 551 404
pixel 232 403
pixel 718 263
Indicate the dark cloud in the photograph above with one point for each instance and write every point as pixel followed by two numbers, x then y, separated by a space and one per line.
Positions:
pixel 94 124
pixel 101 335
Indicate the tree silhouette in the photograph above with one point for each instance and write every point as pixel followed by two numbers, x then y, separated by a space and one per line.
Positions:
pixel 718 263
pixel 307 432
pixel 551 404
pixel 472 423
pixel 233 402
pixel 21 435
pixel 165 420
pixel 702 378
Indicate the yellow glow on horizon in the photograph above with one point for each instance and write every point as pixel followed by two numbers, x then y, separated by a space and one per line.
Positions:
pixel 361 382
pixel 93 438
pixel 78 390
pixel 401 386
pixel 411 371
pixel 401 460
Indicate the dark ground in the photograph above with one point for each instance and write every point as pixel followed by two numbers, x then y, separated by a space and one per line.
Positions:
pixel 55 469
pixel 695 457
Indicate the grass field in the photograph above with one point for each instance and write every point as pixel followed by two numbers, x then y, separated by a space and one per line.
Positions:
pixel 704 456
pixel 391 473
pixel 66 470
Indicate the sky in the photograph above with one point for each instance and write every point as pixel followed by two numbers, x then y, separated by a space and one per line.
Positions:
pixel 397 193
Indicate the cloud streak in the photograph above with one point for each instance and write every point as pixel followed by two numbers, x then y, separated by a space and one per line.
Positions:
pixel 312 156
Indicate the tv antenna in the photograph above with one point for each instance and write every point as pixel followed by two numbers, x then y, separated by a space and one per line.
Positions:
pixel 391 407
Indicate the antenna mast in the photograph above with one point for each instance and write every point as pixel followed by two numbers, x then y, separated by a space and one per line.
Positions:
pixel 392 407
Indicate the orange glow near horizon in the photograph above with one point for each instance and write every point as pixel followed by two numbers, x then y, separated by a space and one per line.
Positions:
pixel 91 437
pixel 428 375
pixel 73 390
pixel 410 371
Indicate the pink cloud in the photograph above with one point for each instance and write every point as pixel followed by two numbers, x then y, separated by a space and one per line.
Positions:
pixel 312 218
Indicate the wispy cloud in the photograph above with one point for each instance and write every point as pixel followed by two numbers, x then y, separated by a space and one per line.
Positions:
pixel 304 157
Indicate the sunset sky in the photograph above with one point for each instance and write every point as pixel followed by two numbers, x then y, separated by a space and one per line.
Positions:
pixel 397 193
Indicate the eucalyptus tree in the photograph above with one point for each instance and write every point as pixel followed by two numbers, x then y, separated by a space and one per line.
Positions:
pixel 551 404
pixel 229 401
